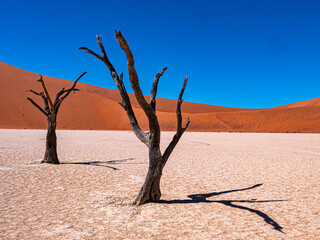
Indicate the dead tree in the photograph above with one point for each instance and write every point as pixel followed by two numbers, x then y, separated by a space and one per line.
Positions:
pixel 150 191
pixel 50 110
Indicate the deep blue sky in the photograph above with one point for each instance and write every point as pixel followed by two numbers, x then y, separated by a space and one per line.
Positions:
pixel 248 54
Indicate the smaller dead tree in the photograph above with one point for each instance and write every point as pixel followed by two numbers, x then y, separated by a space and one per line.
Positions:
pixel 50 110
pixel 150 190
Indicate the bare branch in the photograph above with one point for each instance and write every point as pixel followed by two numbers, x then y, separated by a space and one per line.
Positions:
pixel 59 94
pixel 187 124
pixel 106 59
pixel 122 89
pixel 155 89
pixel 179 103
pixel 46 105
pixel 134 80
pixel 46 91
pixel 37 106
pixel 126 104
pixel 91 52
pixel 30 90
pixel 58 100
pixel 73 86
pixel 41 94
pixel 180 129
pixel 183 88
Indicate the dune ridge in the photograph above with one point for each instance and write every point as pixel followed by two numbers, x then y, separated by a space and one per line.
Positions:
pixel 96 108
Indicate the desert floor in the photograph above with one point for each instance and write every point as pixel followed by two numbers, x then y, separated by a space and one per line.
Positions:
pixel 214 186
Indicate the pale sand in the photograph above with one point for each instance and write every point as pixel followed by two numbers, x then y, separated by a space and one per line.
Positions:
pixel 92 201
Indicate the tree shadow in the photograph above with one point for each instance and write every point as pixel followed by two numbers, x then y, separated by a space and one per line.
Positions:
pixel 101 163
pixel 202 198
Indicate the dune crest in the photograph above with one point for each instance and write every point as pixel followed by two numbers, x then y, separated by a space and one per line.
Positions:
pixel 308 103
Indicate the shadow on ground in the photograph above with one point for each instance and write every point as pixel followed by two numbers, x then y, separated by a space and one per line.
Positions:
pixel 102 163
pixel 202 198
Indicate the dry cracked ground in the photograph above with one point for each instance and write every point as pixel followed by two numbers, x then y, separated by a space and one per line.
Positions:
pixel 214 186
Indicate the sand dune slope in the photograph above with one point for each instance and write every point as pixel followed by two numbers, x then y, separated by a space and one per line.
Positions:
pixel 308 103
pixel 97 108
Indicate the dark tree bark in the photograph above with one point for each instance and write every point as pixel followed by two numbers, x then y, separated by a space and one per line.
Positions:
pixel 50 155
pixel 50 110
pixel 150 190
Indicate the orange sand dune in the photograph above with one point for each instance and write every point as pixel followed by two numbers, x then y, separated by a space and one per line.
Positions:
pixel 308 103
pixel 97 108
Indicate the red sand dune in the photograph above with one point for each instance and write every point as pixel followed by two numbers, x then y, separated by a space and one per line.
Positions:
pixel 308 103
pixel 97 108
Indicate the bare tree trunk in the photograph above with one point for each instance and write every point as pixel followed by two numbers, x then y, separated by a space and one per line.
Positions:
pixel 51 155
pixel 150 190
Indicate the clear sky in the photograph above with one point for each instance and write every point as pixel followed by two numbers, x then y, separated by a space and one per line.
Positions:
pixel 240 53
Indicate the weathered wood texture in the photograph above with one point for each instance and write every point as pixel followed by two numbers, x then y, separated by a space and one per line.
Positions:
pixel 150 191
pixel 50 110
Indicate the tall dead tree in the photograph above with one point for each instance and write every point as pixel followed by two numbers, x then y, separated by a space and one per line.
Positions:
pixel 150 191
pixel 50 110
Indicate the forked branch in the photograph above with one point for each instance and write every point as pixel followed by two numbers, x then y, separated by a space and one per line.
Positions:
pixel 154 89
pixel 126 104
pixel 104 58
pixel 37 106
pixel 41 94
pixel 58 100
pixel 180 129
pixel 44 98
pixel 46 91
